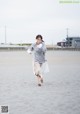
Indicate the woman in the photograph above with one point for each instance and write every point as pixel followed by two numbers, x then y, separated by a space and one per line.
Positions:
pixel 39 50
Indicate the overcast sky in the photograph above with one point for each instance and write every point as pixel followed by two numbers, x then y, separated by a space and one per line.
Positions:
pixel 24 19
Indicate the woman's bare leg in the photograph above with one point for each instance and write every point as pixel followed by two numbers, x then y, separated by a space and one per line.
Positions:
pixel 37 69
pixel 39 80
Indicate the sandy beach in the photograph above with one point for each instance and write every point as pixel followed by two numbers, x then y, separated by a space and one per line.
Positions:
pixel 60 93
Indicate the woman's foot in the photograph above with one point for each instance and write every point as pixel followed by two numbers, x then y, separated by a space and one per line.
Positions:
pixel 39 80
pixel 39 84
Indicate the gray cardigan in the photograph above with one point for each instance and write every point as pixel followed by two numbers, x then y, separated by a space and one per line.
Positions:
pixel 38 53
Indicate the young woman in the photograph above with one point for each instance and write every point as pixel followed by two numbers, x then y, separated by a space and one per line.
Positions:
pixel 39 50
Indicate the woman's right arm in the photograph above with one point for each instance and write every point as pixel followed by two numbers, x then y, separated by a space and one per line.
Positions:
pixel 31 48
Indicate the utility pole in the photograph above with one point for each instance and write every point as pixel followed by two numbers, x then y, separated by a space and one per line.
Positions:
pixel 67 32
pixel 67 37
pixel 5 35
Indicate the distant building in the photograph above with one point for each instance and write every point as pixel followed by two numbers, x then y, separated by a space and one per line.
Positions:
pixel 62 44
pixel 70 42
pixel 73 42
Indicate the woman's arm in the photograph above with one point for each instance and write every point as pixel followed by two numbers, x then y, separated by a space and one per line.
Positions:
pixel 31 48
pixel 44 49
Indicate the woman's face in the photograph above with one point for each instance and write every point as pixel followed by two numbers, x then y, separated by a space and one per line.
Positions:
pixel 38 40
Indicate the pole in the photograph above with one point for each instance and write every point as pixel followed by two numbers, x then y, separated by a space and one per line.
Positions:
pixel 67 37
pixel 67 32
pixel 5 35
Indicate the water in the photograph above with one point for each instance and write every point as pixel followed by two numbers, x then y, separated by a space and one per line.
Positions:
pixel 60 93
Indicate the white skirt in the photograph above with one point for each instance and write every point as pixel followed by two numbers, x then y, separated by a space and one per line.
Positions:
pixel 40 69
pixel 45 67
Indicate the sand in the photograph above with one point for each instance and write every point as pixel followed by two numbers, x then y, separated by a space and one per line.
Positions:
pixel 60 93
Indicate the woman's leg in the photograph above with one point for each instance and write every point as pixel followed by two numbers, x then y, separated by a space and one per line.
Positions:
pixel 40 74
pixel 37 69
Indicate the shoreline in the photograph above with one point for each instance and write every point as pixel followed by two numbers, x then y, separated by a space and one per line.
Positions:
pixel 22 48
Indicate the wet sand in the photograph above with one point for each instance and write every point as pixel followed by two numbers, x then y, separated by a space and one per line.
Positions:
pixel 60 93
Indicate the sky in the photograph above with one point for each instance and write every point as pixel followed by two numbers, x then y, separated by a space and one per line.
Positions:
pixel 24 19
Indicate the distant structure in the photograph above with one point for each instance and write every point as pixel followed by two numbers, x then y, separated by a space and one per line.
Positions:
pixel 73 42
pixel 5 36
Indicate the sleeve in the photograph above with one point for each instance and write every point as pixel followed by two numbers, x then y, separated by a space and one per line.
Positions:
pixel 44 49
pixel 30 49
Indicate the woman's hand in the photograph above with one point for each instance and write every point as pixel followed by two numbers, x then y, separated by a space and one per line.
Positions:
pixel 39 46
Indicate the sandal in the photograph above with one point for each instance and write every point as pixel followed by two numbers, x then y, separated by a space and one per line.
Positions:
pixel 39 84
